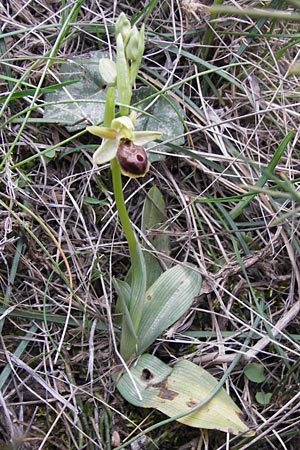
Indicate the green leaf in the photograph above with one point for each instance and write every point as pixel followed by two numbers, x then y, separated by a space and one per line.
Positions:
pixel 263 398
pixel 255 372
pixel 138 287
pixel 49 155
pixel 123 290
pixel 166 301
pixel 239 207
pixel 153 219
pixel 83 99
pixel 178 390
pixel 135 303
pixel 168 118
pixel 128 331
pixel 94 201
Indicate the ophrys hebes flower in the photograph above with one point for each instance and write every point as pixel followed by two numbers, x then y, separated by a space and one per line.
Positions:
pixel 122 142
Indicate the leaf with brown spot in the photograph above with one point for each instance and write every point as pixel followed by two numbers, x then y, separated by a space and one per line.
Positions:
pixel 174 391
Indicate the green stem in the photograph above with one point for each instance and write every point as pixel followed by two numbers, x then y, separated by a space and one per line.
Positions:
pixel 109 115
pixel 122 211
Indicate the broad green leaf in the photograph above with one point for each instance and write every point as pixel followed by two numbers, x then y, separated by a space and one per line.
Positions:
pixel 84 99
pixel 178 390
pixel 255 372
pixel 167 117
pixel 166 301
pixel 153 219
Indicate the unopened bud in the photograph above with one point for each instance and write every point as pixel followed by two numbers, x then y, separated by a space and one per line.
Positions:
pixel 132 46
pixel 108 71
pixel 123 27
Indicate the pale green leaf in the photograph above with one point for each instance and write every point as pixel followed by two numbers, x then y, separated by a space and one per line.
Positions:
pixel 255 372
pixel 50 154
pixel 167 117
pixel 123 77
pixel 108 71
pixel 85 99
pixel 94 201
pixel 166 301
pixel 176 391
pixel 263 398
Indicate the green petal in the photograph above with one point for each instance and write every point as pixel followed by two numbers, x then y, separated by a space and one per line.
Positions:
pixel 104 132
pixel 106 152
pixel 123 122
pixel 124 127
pixel 143 137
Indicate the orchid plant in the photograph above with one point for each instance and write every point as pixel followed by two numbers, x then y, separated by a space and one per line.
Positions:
pixel 147 311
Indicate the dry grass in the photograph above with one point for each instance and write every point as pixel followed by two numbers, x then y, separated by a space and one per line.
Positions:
pixel 59 252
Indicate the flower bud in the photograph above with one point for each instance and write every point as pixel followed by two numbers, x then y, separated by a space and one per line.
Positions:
pixel 108 71
pixel 132 46
pixel 135 51
pixel 123 27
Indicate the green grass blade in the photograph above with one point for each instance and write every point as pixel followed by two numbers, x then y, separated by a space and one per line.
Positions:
pixel 238 209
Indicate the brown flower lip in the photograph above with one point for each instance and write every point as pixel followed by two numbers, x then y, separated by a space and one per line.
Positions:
pixel 132 158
